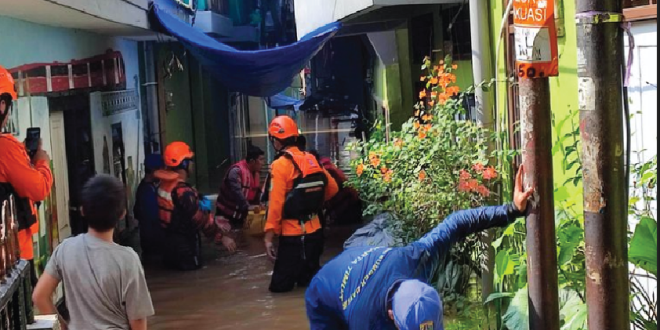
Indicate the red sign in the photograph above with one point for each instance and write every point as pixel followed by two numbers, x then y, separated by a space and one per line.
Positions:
pixel 537 55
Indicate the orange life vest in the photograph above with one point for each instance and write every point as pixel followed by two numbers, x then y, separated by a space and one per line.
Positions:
pixel 168 182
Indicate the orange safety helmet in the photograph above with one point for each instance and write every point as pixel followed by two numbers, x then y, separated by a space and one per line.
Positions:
pixel 283 127
pixel 7 84
pixel 176 153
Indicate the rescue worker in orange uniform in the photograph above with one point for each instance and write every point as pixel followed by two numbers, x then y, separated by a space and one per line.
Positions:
pixel 28 179
pixel 184 213
pixel 299 187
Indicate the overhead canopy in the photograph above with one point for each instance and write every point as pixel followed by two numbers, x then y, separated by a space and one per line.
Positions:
pixel 262 73
pixel 283 102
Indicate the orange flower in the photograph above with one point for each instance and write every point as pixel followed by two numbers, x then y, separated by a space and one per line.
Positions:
pixel 383 170
pixel 434 81
pixel 444 97
pixel 387 177
pixel 436 68
pixel 375 162
pixel 428 127
pixel 359 170
pixel 454 67
pixel 431 103
pixel 473 184
pixel 483 191
pixel 442 62
pixel 421 134
pixel 422 94
pixel 490 173
pixel 463 187
pixel 423 78
pixel 479 167
pixel 422 175
pixel 427 117
pixel 416 125
pixel 465 175
pixel 453 90
pixel 434 95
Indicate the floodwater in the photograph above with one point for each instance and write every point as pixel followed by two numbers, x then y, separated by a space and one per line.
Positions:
pixel 231 292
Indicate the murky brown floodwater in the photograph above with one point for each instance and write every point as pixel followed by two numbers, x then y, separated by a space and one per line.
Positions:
pixel 231 292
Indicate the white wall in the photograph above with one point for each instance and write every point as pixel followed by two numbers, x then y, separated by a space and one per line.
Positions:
pixel 133 142
pixel 313 14
pixel 643 93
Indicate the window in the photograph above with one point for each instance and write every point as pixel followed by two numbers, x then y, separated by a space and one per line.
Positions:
pixel 456 27
pixel 421 37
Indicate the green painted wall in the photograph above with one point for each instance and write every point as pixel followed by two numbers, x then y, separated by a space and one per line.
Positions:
pixel 197 113
pixel 464 76
pixel 564 88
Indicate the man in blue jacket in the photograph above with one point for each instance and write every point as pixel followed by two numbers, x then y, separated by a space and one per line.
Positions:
pixel 384 288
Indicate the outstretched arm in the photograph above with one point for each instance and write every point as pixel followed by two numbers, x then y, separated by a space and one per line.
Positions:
pixel 464 223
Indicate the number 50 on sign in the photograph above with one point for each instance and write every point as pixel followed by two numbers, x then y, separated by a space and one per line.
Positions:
pixel 536 38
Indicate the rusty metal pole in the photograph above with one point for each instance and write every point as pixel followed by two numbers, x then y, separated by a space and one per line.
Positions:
pixel 600 72
pixel 541 237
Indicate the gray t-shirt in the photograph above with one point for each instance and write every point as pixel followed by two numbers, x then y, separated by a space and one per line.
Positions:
pixel 104 283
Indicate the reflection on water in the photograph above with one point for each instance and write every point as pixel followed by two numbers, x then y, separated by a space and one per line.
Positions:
pixel 231 292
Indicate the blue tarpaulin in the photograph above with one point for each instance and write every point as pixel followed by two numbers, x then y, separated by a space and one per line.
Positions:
pixel 284 102
pixel 262 73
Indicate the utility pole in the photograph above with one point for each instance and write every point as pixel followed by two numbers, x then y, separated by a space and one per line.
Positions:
pixel 600 73
pixel 541 236
pixel 536 60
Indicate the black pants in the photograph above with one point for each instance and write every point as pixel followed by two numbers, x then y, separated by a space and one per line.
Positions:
pixel 33 273
pixel 297 262
pixel 183 252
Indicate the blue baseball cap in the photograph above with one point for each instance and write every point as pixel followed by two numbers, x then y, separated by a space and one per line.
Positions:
pixel 154 162
pixel 417 306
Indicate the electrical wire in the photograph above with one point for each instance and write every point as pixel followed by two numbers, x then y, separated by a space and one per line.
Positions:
pixel 498 120
pixel 505 18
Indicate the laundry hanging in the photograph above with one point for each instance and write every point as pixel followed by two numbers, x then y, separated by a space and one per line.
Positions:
pixel 284 102
pixel 261 73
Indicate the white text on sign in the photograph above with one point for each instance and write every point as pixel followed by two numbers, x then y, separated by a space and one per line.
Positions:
pixel 531 11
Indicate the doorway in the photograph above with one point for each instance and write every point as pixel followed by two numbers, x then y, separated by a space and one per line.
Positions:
pixel 58 143
pixel 79 150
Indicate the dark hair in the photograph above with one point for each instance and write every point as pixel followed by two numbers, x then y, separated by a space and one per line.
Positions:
pixel 316 154
pixel 254 153
pixel 302 143
pixel 8 102
pixel 104 202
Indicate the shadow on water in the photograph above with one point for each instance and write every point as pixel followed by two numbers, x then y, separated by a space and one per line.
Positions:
pixel 231 292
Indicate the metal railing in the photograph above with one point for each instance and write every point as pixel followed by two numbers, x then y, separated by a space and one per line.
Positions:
pixel 16 310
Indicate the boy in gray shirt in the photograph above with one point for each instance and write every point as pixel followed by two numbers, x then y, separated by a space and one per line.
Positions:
pixel 104 282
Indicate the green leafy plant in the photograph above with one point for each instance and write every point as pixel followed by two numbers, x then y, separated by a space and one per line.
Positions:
pixel 434 166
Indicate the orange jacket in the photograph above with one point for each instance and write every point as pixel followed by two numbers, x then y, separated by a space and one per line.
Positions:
pixel 283 173
pixel 31 182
